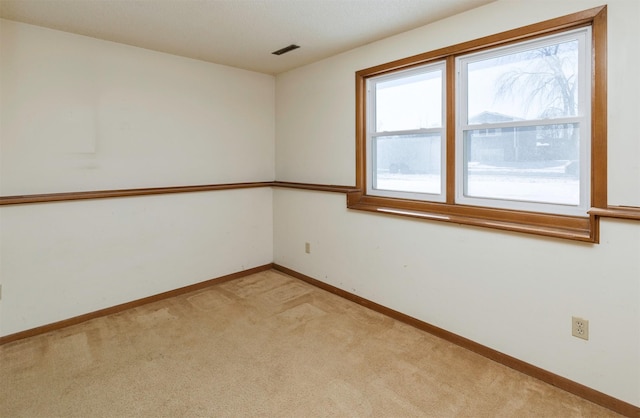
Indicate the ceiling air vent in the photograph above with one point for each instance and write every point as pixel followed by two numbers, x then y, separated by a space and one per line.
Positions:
pixel 285 49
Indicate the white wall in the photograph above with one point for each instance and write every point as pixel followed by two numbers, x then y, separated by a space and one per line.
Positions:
pixel 512 292
pixel 79 114
pixel 61 260
pixel 84 114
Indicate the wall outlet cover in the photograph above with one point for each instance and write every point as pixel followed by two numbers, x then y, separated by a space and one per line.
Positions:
pixel 580 327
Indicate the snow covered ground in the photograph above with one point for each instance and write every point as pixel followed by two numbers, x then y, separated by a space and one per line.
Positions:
pixel 532 184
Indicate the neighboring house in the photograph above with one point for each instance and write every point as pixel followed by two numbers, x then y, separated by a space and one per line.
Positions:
pixel 523 144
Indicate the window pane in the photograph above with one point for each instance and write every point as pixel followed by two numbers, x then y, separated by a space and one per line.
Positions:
pixel 408 103
pixel 538 83
pixel 533 164
pixel 408 163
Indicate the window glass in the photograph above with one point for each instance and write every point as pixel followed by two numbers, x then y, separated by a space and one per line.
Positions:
pixel 536 83
pixel 409 102
pixel 408 163
pixel 533 164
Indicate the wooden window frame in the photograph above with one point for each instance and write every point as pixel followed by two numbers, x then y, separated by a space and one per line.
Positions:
pixel 562 226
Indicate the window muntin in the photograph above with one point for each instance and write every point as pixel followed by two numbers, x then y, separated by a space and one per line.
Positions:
pixel 405 134
pixel 537 94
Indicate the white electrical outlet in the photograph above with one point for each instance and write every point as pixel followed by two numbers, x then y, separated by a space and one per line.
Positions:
pixel 579 327
pixel 307 248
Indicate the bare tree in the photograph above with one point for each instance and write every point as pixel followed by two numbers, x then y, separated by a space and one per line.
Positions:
pixel 546 82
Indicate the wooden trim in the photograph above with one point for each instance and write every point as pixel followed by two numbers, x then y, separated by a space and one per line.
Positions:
pixel 361 113
pixel 553 379
pixel 315 187
pixel 620 212
pixel 599 110
pixel 129 305
pixel 107 194
pixel 450 138
pixel 559 226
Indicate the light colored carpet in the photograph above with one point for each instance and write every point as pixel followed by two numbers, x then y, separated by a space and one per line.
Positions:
pixel 266 345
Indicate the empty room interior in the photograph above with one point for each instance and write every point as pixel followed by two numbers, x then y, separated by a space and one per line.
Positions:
pixel 159 164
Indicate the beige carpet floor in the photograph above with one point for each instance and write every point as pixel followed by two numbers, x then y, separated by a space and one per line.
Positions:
pixel 266 345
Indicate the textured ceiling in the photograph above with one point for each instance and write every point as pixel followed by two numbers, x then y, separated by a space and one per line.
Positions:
pixel 239 33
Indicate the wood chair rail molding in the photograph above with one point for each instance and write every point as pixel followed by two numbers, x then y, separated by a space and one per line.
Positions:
pixel 113 193
pixel 621 212
pixel 354 195
pixel 107 194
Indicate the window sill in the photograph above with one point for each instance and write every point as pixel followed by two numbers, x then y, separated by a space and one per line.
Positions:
pixel 584 229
